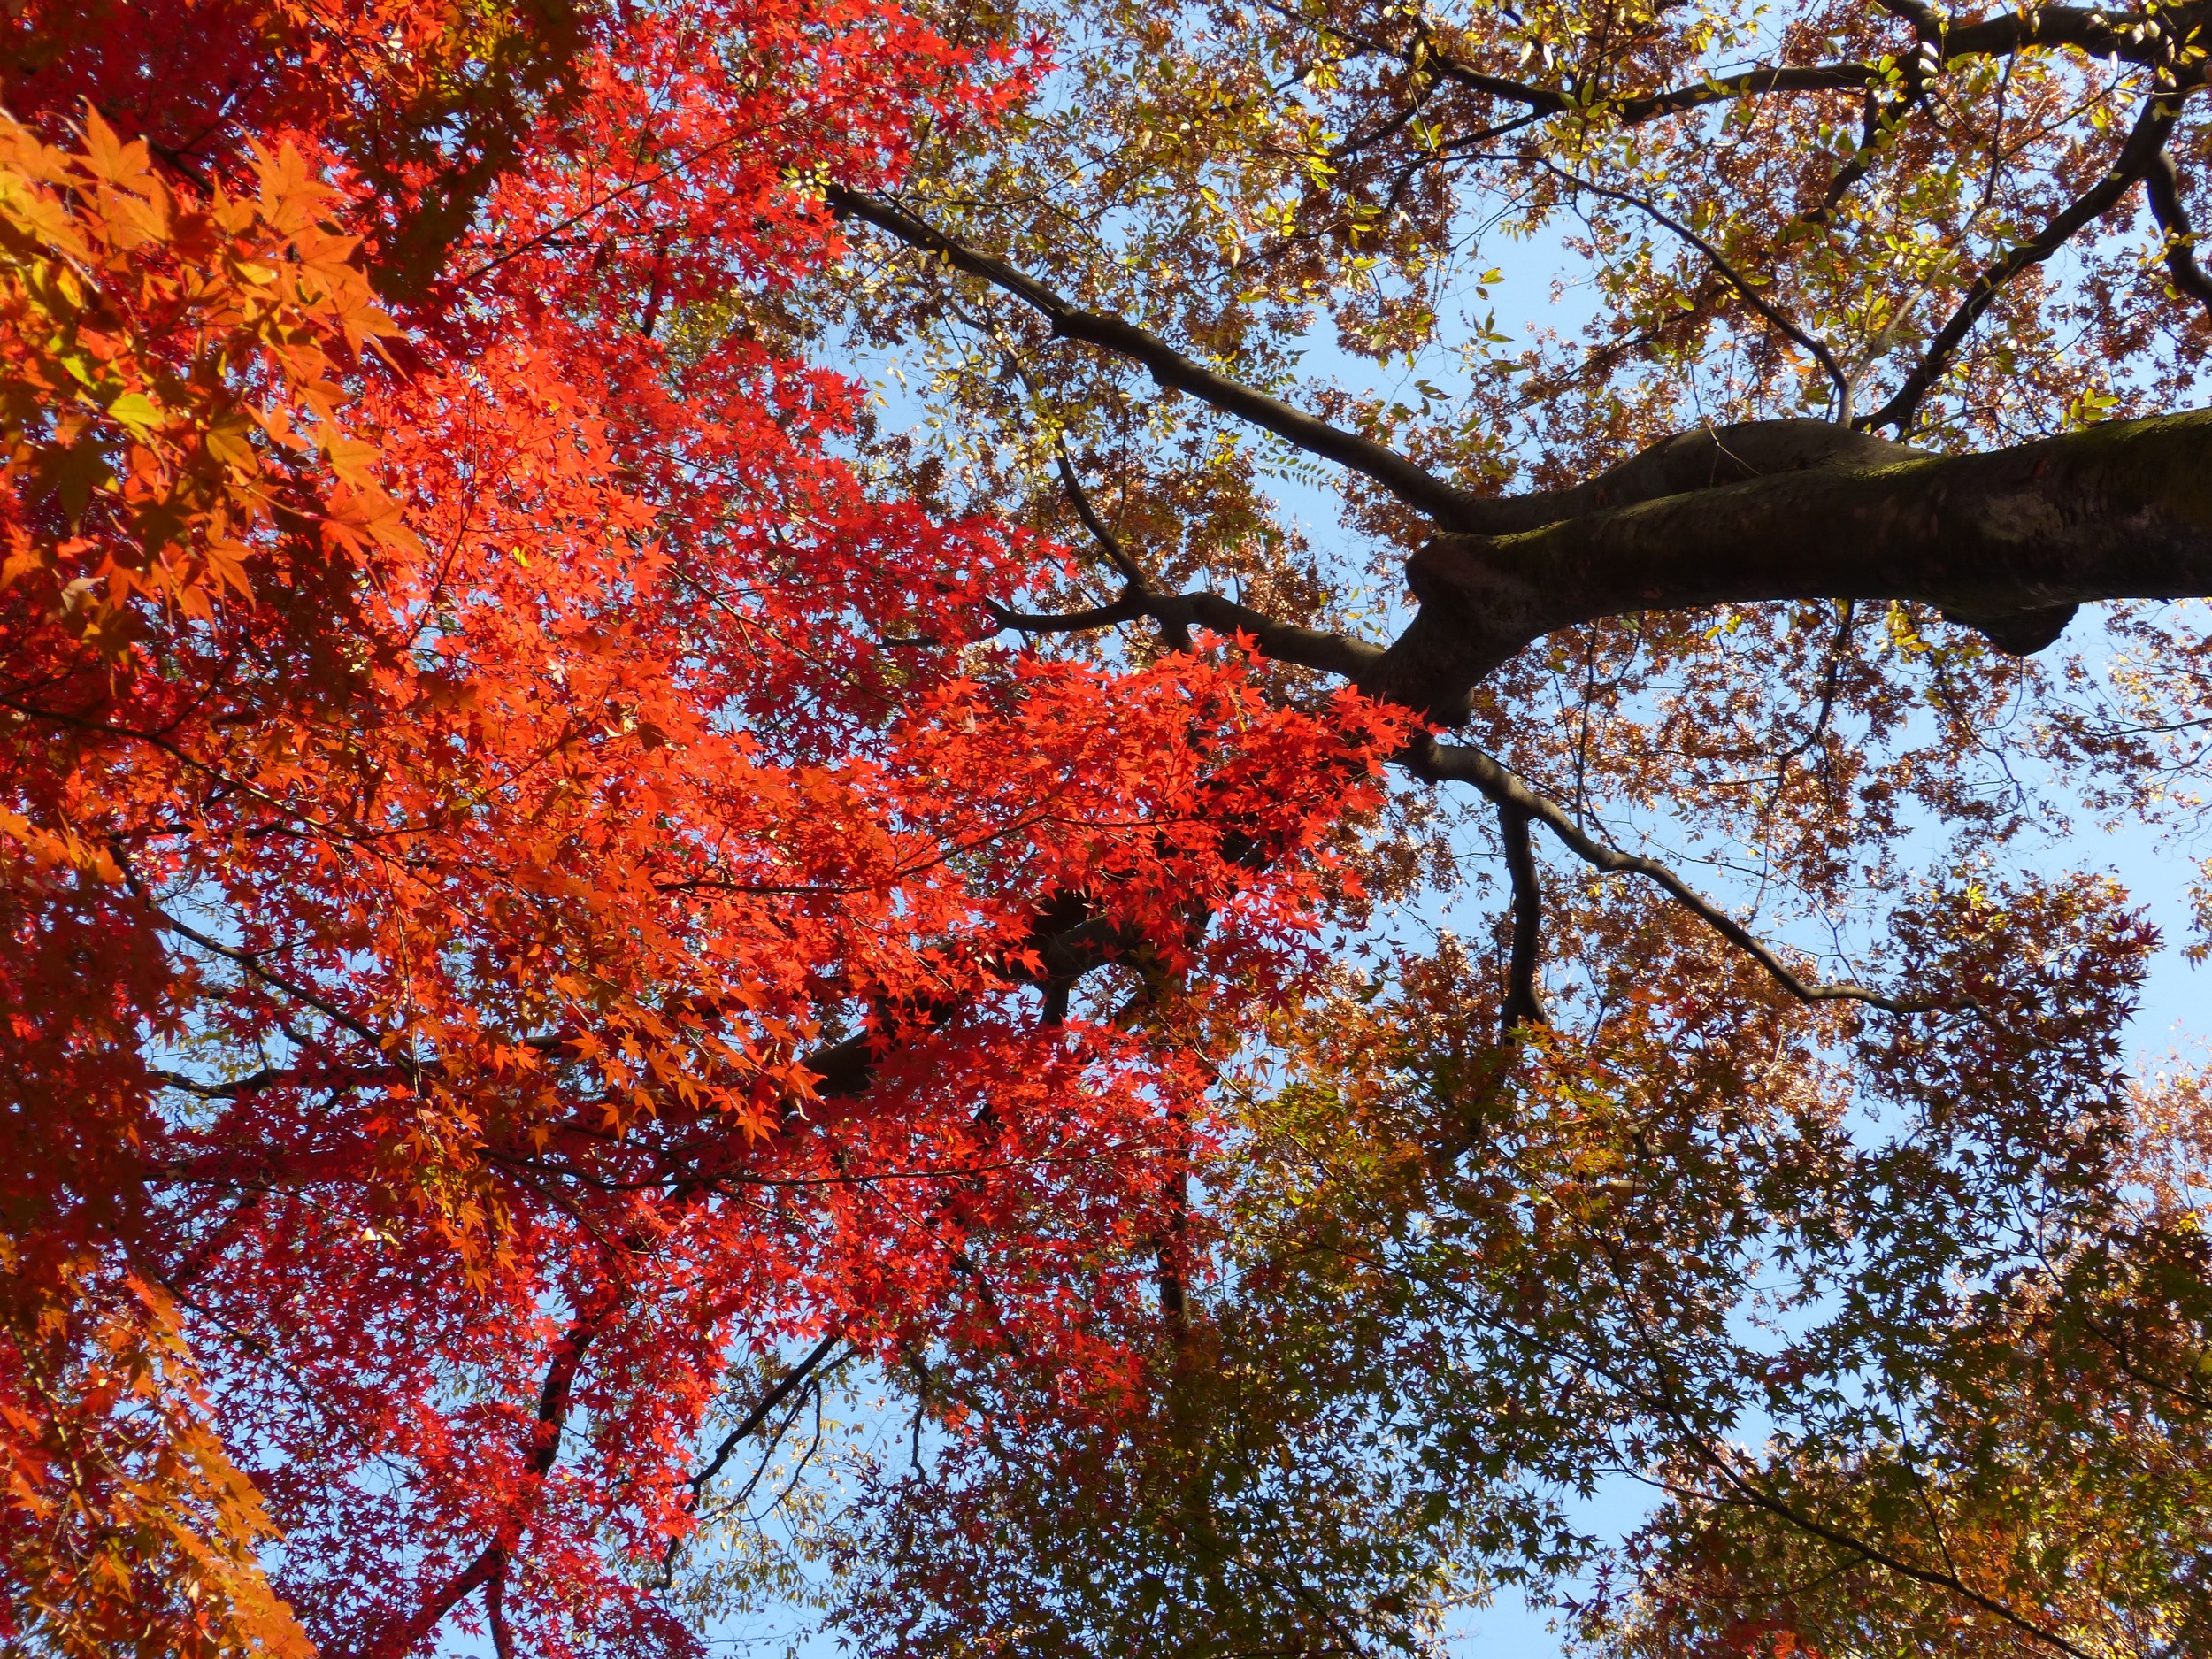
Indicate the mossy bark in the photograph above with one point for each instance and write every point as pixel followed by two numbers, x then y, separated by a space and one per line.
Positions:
pixel 2009 542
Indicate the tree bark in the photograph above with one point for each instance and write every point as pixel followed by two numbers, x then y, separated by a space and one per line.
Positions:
pixel 2008 542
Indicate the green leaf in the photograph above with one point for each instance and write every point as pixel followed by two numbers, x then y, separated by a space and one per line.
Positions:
pixel 137 412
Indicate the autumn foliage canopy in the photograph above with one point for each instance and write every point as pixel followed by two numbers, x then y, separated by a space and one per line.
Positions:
pixel 466 764
pixel 547 859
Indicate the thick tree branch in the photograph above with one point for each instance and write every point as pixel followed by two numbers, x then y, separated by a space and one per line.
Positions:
pixel 2008 556
pixel 1697 459
pixel 1636 109
pixel 2130 37
pixel 1751 83
pixel 2008 540
pixel 1427 55
pixel 2133 37
pixel 1128 608
pixel 1102 533
pixel 495 1616
pixel 1411 483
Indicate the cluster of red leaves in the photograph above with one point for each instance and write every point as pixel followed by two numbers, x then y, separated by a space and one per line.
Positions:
pixel 522 883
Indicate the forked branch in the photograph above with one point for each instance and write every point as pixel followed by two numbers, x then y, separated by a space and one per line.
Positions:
pixel 763 1409
pixel 401 1636
pixel 1512 792
pixel 2137 160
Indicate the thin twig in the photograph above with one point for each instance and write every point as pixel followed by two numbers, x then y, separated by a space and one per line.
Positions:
pixel 1775 316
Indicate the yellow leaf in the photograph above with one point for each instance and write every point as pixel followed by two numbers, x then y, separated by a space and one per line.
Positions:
pixel 108 158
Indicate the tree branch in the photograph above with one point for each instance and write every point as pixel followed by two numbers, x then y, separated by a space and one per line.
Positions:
pixel 784 1387
pixel 1171 368
pixel 1698 459
pixel 1523 1006
pixel 1438 762
pixel 2007 540
pixel 1128 608
pixel 1774 315
pixel 1079 497
pixel 1281 642
pixel 2138 159
pixel 495 1615
pixel 249 962
pixel 1635 110
pixel 2131 37
pixel 1760 1497
pixel 1426 54
pixel 2163 185
pixel 400 1637
pixel 2134 37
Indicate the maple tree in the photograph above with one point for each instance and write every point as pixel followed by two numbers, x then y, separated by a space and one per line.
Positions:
pixel 520 866
pixel 554 855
